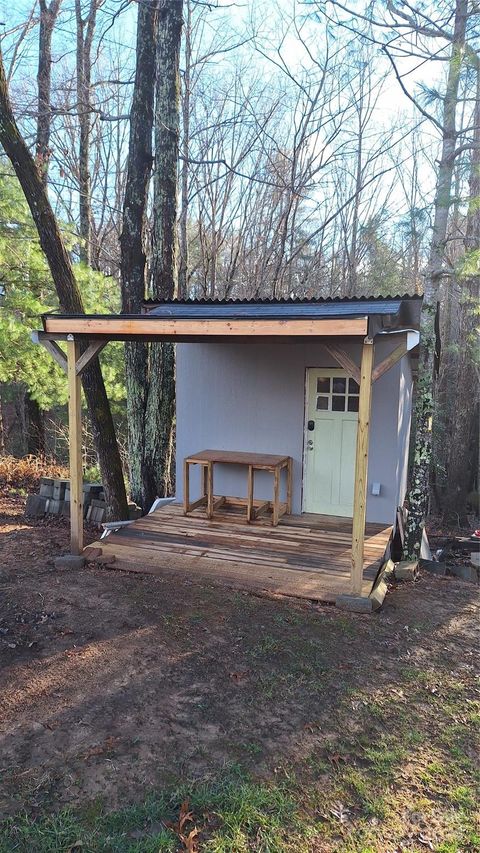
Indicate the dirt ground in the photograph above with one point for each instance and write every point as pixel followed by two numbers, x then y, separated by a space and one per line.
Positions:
pixel 113 684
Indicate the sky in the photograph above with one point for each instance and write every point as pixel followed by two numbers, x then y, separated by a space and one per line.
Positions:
pixel 265 18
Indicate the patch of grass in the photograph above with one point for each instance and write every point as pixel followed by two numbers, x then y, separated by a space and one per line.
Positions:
pixel 384 757
pixel 232 814
pixel 345 626
pixel 463 796
pixel 371 803
pixel 265 646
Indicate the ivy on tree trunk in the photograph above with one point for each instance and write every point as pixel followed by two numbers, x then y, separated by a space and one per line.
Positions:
pixel 419 492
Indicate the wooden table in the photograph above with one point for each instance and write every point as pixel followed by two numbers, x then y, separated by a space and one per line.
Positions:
pixel 253 462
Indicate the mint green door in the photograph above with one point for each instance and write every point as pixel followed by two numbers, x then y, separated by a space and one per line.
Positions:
pixel 330 442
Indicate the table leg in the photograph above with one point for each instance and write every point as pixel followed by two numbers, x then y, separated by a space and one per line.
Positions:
pixel 205 481
pixel 276 496
pixel 210 490
pixel 186 487
pixel 250 494
pixel 289 486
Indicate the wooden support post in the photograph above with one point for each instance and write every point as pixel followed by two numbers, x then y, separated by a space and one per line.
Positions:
pixel 289 486
pixel 186 486
pixel 250 487
pixel 276 495
pixel 361 468
pixel 75 448
pixel 210 490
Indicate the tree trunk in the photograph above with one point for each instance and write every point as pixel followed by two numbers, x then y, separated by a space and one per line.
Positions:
pixel 35 430
pixel 2 429
pixel 69 298
pixel 419 492
pixel 161 398
pixel 34 427
pixel 464 424
pixel 48 16
pixel 85 33
pixel 167 134
pixel 183 222
pixel 133 259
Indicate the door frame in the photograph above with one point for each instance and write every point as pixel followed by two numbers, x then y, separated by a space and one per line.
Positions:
pixel 332 371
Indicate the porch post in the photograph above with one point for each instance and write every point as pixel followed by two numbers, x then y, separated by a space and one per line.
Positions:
pixel 75 448
pixel 361 467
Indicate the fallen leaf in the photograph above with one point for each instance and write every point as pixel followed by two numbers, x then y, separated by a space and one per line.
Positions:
pixel 239 675
pixel 100 749
pixel 340 812
pixel 425 841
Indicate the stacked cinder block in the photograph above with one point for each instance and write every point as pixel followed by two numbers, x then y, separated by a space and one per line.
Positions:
pixel 54 499
pixel 51 499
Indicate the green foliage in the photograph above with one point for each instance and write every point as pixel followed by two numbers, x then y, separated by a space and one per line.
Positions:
pixel 27 291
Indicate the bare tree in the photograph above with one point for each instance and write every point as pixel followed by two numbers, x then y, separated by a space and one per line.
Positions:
pixel 85 34
pixel 68 295
pixel 133 256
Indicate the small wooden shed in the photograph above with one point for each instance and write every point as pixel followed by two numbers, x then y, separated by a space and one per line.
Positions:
pixel 326 382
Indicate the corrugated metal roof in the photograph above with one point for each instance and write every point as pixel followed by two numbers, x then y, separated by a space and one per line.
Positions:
pixel 294 300
pixel 396 310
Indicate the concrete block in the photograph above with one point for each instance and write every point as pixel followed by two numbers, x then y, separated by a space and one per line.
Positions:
pixel 354 603
pixel 406 570
pixel 465 572
pixel 47 481
pixel 36 506
pixel 70 561
pixel 55 507
pixel 46 487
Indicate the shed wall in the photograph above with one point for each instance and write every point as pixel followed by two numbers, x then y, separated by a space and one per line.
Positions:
pixel 404 421
pixel 251 397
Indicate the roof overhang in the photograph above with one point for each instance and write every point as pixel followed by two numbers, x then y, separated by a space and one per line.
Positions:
pixel 148 327
pixel 286 320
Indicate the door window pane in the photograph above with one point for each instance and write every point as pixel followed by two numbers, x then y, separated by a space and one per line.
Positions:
pixel 322 403
pixel 353 387
pixel 323 385
pixel 339 385
pixel 338 403
pixel 353 404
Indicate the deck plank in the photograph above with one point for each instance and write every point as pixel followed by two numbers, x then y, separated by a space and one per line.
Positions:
pixel 304 556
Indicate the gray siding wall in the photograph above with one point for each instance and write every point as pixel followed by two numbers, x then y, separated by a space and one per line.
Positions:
pixel 252 397
pixel 404 421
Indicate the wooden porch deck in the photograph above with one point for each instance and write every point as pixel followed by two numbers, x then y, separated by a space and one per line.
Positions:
pixel 305 556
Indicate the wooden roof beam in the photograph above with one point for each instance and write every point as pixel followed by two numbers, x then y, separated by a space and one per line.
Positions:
pixel 151 327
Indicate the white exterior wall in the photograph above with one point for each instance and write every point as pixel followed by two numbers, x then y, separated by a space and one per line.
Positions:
pixel 251 397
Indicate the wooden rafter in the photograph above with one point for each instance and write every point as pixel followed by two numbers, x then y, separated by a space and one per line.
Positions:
pixel 389 361
pixel 92 350
pixel 52 347
pixel 344 360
